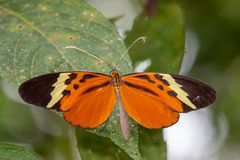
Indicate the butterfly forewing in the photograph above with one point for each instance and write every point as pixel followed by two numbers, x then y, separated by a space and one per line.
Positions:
pixel 146 108
pixel 77 94
pixel 154 99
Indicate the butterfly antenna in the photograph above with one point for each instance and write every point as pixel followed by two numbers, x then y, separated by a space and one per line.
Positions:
pixel 142 39
pixel 90 54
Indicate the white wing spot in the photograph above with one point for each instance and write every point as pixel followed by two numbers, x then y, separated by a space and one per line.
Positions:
pixel 196 98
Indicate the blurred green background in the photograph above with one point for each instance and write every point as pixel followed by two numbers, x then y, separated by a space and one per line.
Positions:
pixel 216 28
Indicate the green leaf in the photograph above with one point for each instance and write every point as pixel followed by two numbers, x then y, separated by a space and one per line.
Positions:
pixel 34 36
pixel 15 152
pixel 152 145
pixel 112 130
pixel 96 151
pixel 164 32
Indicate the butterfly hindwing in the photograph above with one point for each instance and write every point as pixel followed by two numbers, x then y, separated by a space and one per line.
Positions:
pixel 92 107
pixel 160 97
pixel 146 108
pixel 70 92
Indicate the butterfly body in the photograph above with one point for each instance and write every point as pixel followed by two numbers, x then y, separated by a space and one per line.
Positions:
pixel 153 100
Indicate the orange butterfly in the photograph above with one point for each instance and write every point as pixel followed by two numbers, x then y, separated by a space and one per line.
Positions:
pixel 153 100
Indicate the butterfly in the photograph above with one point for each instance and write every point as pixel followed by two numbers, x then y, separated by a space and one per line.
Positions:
pixel 87 99
pixel 153 100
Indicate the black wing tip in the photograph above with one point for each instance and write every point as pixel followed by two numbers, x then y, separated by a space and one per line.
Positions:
pixel 37 90
pixel 23 90
pixel 203 100
pixel 201 94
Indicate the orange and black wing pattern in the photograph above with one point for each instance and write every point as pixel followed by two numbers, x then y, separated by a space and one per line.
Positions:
pixel 154 100
pixel 80 95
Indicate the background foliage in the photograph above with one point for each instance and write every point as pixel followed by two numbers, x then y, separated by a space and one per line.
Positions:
pixel 216 25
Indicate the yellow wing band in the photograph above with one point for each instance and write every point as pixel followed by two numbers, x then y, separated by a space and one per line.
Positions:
pixel 181 94
pixel 59 87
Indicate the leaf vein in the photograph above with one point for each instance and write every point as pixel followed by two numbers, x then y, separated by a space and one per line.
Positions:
pixel 33 60
pixel 15 59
